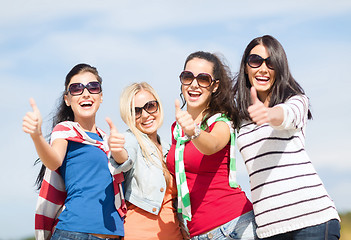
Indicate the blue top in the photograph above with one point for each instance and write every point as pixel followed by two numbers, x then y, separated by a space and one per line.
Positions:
pixel 89 206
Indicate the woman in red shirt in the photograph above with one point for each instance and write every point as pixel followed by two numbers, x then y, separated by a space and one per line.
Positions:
pixel 202 153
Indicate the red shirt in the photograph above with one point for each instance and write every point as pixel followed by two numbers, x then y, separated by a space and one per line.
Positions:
pixel 213 201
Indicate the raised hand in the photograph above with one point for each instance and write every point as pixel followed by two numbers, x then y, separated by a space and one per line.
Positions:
pixel 184 119
pixel 116 140
pixel 32 121
pixel 258 111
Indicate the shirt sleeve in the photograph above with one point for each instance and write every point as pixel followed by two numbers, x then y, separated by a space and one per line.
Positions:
pixel 295 113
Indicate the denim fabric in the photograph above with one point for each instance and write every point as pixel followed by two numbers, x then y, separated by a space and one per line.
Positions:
pixel 326 231
pixel 141 189
pixel 67 235
pixel 243 227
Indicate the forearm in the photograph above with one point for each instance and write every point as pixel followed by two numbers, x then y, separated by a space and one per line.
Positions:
pixel 276 116
pixel 120 156
pixel 211 142
pixel 206 143
pixel 47 154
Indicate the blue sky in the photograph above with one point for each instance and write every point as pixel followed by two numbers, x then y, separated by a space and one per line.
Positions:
pixel 133 41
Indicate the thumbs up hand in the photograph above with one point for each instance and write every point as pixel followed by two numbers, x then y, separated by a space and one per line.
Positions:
pixel 184 119
pixel 258 111
pixel 116 139
pixel 32 121
pixel 116 143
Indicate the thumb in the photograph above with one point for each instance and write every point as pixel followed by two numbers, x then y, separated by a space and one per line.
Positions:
pixel 111 125
pixel 254 97
pixel 177 106
pixel 34 105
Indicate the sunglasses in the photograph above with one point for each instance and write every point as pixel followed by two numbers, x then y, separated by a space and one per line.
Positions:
pixel 256 61
pixel 203 79
pixel 149 107
pixel 76 89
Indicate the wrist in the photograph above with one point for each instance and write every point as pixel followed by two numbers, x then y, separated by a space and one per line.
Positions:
pixel 36 136
pixel 196 134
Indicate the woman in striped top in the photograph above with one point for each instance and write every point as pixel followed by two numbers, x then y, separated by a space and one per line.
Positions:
pixel 289 199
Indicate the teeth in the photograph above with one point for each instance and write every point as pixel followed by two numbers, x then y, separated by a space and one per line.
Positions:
pixel 148 122
pixel 86 104
pixel 194 94
pixel 262 78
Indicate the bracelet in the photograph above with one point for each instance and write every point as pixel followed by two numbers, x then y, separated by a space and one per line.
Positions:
pixel 196 134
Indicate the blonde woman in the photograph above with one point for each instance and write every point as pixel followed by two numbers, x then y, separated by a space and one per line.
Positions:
pixel 149 188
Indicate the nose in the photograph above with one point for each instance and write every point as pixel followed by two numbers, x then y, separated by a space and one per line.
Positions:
pixel 263 67
pixel 144 113
pixel 194 83
pixel 85 92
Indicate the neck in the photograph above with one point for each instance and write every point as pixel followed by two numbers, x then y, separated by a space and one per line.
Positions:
pixel 153 138
pixel 196 114
pixel 264 97
pixel 87 125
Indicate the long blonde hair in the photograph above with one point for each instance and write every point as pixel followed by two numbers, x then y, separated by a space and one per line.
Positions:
pixel 127 111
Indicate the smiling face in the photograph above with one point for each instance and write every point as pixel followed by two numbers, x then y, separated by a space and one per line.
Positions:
pixel 84 106
pixel 147 123
pixel 262 78
pixel 196 97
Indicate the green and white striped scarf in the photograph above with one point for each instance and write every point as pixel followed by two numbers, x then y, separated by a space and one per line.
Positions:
pixel 184 206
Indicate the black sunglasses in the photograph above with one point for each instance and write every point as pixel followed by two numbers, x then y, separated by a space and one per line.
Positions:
pixel 149 107
pixel 256 61
pixel 203 79
pixel 76 89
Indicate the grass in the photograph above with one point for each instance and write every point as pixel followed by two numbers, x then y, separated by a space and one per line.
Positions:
pixel 345 226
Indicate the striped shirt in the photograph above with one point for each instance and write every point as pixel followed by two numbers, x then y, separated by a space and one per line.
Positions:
pixel 287 193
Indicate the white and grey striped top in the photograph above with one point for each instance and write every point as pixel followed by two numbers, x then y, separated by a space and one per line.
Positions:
pixel 287 193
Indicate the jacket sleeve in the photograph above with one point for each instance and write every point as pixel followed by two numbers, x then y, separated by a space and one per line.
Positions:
pixel 130 146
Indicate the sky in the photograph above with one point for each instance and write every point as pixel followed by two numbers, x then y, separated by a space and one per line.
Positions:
pixel 134 41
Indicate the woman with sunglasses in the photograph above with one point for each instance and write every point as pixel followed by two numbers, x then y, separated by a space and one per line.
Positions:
pixel 289 199
pixel 78 184
pixel 149 188
pixel 202 153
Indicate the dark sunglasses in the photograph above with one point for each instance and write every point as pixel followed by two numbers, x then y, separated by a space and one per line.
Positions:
pixel 256 61
pixel 203 79
pixel 149 107
pixel 76 89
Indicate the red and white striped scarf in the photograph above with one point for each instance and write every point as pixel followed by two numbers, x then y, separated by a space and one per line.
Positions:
pixel 52 193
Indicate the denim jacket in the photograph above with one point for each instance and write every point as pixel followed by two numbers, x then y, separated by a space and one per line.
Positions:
pixel 144 183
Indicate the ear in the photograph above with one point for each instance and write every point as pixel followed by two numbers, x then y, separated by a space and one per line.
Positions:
pixel 215 86
pixel 66 100
pixel 101 98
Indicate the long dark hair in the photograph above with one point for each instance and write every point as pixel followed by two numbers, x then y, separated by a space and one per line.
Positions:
pixel 64 112
pixel 222 100
pixel 284 87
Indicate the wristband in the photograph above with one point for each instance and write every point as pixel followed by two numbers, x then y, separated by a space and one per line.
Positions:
pixel 196 134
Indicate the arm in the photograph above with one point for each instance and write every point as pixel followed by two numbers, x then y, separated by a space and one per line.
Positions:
pixel 53 155
pixel 116 143
pixel 211 142
pixel 207 142
pixel 261 114
pixel 289 115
